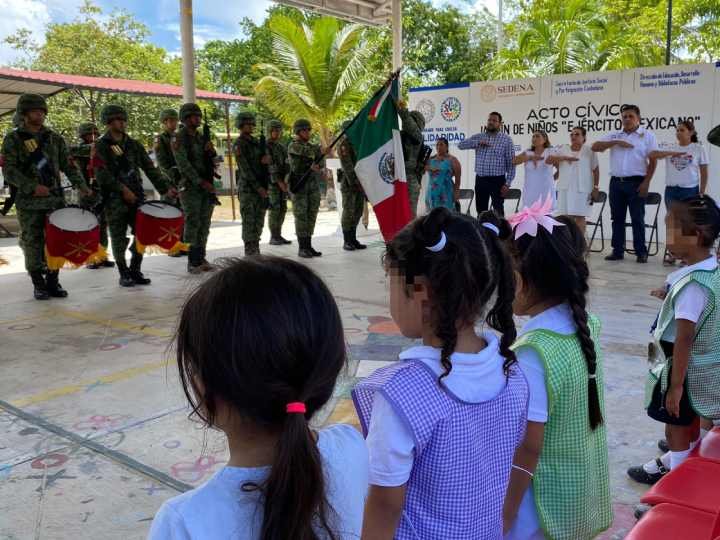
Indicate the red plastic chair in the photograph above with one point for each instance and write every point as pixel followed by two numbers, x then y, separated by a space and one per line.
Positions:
pixel 709 447
pixel 672 522
pixel 693 484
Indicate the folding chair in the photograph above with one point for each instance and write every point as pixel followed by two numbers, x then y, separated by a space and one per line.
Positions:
pixel 467 195
pixel 598 224
pixel 514 194
pixel 653 199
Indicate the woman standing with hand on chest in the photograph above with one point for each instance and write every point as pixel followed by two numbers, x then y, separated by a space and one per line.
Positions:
pixel 539 175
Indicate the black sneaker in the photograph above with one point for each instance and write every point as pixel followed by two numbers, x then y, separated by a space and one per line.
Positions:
pixel 614 257
pixel 639 474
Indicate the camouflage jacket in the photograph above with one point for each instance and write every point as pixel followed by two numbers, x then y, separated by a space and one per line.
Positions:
pixel 279 168
pixel 301 156
pixel 412 140
pixel 251 173
pixel 32 159
pixel 348 160
pixel 189 153
pixel 120 163
pixel 165 157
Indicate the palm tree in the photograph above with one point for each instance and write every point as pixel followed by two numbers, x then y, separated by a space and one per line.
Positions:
pixel 317 74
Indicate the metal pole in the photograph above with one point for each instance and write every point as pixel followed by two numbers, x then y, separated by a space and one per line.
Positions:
pixel 397 34
pixel 230 158
pixel 669 34
pixel 188 51
pixel 500 32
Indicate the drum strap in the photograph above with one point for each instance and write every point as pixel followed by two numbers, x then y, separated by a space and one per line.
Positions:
pixel 37 158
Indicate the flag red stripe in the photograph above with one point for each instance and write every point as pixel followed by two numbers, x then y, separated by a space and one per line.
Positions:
pixel 393 213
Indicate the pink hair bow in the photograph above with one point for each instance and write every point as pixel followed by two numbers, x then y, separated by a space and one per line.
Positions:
pixel 527 220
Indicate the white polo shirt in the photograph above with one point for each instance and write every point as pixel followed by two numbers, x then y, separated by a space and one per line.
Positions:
pixel 631 161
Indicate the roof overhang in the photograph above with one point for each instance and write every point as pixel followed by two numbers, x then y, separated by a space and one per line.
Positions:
pixel 370 12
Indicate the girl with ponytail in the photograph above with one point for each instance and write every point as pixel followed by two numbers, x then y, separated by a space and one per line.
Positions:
pixel 258 361
pixel 442 424
pixel 559 487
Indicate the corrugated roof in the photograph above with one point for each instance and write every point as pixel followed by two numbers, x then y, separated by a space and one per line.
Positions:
pixel 15 82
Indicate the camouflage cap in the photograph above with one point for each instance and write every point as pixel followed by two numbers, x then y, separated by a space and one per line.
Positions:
pixel 274 124
pixel 419 118
pixel 301 124
pixel 112 111
pixel 86 128
pixel 189 109
pixel 243 118
pixel 169 114
pixel 714 136
pixel 31 102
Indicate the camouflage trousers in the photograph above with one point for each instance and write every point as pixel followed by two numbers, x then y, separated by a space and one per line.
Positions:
pixel 120 216
pixel 252 211
pixel 198 208
pixel 414 192
pixel 306 204
pixel 353 204
pixel 276 218
pixel 32 237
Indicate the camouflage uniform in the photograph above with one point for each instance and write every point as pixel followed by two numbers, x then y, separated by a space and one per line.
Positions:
pixel 252 175
pixel 412 139
pixel 9 202
pixel 197 202
pixel 163 148
pixel 30 160
pixel 306 200
pixel 118 165
pixel 353 197
pixel 279 170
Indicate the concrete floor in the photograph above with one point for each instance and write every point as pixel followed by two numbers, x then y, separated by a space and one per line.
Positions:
pixel 94 434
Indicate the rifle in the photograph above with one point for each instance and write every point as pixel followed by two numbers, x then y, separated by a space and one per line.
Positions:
pixel 304 178
pixel 210 158
pixel 264 173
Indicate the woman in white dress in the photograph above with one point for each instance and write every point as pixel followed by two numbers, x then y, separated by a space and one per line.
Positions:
pixel 579 177
pixel 539 175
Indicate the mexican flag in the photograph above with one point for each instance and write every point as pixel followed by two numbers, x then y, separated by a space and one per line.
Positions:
pixel 375 137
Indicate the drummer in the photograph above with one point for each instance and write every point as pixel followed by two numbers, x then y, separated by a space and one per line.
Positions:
pixel 82 153
pixel 34 155
pixel 117 170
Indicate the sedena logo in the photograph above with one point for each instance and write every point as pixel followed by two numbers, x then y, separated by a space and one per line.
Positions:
pixel 427 108
pixel 386 168
pixel 488 93
pixel 450 109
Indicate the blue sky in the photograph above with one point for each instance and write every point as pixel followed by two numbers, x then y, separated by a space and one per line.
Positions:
pixel 213 19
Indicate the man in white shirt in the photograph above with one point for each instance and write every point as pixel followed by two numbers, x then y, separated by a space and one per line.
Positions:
pixel 631 169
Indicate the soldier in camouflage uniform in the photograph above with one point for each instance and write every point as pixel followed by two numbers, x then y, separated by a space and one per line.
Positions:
pixel 164 156
pixel 253 176
pixel 279 170
pixel 196 184
pixel 306 198
pixel 9 202
pixel 33 158
pixel 119 159
pixel 353 196
pixel 82 154
pixel 412 140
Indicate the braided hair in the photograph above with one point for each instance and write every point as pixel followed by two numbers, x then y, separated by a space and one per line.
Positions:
pixel 463 276
pixel 698 214
pixel 553 265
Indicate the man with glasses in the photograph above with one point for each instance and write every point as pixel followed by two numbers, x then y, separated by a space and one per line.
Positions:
pixel 631 170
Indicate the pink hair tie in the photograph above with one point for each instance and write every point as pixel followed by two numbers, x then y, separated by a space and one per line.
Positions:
pixel 295 407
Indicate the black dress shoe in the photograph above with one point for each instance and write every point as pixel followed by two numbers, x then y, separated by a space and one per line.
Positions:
pixel 642 259
pixel 642 476
pixel 614 257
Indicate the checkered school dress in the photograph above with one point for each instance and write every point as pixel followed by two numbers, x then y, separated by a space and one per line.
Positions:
pixel 572 478
pixel 703 374
pixel 463 451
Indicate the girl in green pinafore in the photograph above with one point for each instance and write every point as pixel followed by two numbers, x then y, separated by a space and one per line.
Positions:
pixel 559 486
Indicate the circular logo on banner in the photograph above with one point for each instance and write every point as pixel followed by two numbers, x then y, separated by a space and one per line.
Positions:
pixel 427 108
pixel 451 109
pixel 488 93
pixel 386 168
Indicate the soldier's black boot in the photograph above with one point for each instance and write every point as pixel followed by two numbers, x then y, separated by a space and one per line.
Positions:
pixel 135 274
pixel 284 241
pixel 205 264
pixel 276 239
pixel 304 251
pixel 355 242
pixel 126 279
pixel 195 260
pixel 314 252
pixel 54 288
pixel 348 244
pixel 39 286
pixel 252 248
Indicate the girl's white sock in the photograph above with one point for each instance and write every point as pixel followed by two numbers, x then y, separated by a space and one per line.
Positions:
pixel 651 467
pixel 676 458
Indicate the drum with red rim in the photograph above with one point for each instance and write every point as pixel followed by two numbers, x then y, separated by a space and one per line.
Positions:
pixel 160 225
pixel 72 237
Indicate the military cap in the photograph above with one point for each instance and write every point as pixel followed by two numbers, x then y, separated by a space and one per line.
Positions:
pixel 112 111
pixel 86 128
pixel 714 136
pixel 30 102
pixel 189 109
pixel 243 118
pixel 301 124
pixel 274 124
pixel 419 118
pixel 168 114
